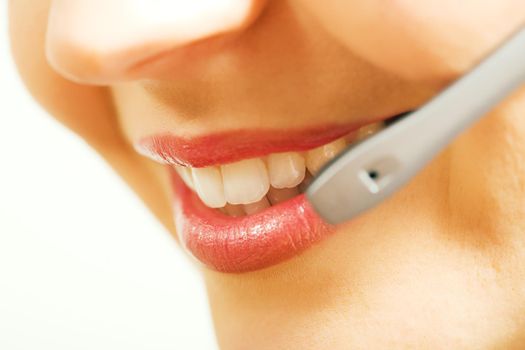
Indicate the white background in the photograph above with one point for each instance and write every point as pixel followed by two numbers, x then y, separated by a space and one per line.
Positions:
pixel 83 265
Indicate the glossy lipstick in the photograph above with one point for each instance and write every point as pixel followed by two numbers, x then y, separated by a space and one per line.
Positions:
pixel 240 244
pixel 246 243
pixel 231 146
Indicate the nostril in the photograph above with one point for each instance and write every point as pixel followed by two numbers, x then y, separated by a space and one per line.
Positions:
pixel 98 41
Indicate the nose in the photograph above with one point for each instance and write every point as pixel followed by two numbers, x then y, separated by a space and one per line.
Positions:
pixel 98 41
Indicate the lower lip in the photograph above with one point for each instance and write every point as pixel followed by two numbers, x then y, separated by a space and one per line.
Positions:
pixel 240 244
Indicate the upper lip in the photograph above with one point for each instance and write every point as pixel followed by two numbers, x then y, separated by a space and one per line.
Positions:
pixel 234 145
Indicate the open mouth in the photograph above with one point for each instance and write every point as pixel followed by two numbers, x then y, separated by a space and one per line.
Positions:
pixel 249 186
pixel 237 215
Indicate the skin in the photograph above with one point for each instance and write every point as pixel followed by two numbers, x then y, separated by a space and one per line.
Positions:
pixel 440 265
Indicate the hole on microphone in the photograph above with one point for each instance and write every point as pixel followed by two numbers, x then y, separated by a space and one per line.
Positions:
pixel 373 174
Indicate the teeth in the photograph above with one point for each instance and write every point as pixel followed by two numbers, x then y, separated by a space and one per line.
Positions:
pixel 245 181
pixel 243 188
pixel 318 157
pixel 208 185
pixel 256 207
pixel 286 170
pixel 185 175
pixel 368 130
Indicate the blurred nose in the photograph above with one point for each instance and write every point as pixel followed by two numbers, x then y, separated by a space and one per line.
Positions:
pixel 99 41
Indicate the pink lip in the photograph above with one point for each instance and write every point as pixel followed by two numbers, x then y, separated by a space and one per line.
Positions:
pixel 230 146
pixel 239 244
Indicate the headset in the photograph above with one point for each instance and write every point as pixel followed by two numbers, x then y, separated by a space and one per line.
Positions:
pixel 368 172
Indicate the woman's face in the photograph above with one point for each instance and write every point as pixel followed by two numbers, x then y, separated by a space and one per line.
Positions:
pixel 245 99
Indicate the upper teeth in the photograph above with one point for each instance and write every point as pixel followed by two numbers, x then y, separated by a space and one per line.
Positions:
pixel 318 157
pixel 286 169
pixel 248 181
pixel 245 181
pixel 209 186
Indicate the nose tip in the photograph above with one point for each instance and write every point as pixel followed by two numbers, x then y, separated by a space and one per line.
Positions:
pixel 97 41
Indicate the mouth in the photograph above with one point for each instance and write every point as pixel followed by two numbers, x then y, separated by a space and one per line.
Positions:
pixel 238 197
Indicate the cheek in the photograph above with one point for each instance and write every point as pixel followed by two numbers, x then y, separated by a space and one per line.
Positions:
pixel 420 40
